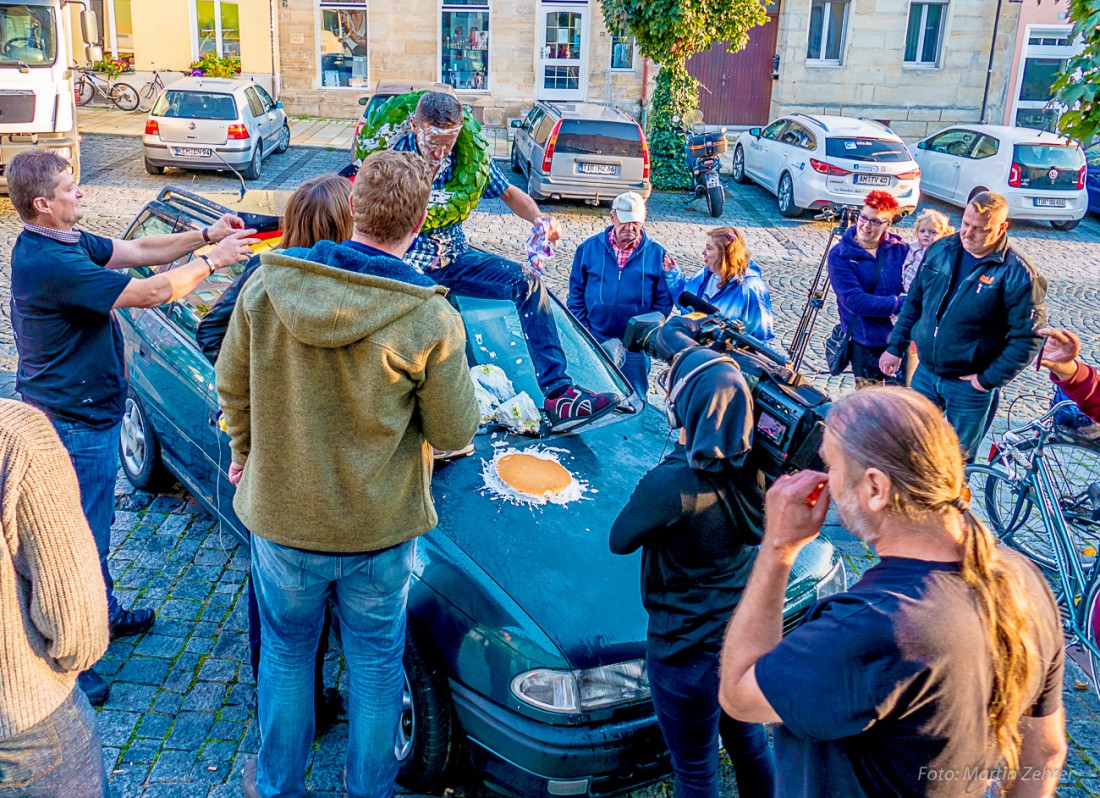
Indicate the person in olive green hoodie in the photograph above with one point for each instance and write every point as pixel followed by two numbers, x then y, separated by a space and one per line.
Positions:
pixel 341 369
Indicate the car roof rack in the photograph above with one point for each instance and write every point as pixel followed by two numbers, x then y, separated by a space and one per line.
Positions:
pixel 815 120
pixel 206 208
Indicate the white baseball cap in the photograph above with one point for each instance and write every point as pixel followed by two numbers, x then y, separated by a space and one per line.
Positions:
pixel 629 207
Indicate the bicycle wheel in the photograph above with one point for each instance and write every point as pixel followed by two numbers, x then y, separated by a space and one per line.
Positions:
pixel 124 96
pixel 83 91
pixel 1004 504
pixel 148 97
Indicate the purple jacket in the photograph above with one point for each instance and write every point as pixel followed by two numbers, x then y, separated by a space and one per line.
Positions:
pixel 865 303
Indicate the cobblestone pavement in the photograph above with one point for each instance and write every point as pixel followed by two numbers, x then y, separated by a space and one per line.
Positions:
pixel 180 719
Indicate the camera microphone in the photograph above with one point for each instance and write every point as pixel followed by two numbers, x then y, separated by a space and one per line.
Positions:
pixel 698 304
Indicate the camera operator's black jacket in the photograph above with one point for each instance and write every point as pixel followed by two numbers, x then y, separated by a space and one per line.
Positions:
pixel 212 328
pixel 987 326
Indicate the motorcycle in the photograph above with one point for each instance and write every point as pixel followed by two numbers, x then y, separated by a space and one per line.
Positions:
pixel 701 151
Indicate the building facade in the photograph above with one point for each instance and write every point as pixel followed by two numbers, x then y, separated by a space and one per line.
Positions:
pixel 1043 46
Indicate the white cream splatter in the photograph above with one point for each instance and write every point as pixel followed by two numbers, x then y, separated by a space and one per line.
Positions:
pixel 499 489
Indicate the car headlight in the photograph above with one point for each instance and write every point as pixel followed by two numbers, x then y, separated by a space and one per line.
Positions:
pixel 583 690
pixel 835 582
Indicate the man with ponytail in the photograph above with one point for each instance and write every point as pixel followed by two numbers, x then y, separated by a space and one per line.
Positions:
pixel 937 673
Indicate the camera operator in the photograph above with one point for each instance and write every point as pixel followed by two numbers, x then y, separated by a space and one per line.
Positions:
pixel 698 516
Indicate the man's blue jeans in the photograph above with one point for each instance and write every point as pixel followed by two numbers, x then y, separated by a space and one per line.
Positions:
pixel 481 275
pixel 968 410
pixel 636 370
pixel 94 453
pixel 371 593
pixel 58 756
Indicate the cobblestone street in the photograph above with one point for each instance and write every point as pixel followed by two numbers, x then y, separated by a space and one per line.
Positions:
pixel 180 719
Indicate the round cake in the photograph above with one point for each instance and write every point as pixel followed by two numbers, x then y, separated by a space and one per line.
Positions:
pixel 535 476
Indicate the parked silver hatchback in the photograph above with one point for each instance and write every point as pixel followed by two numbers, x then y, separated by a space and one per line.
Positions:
pixel 214 123
pixel 582 151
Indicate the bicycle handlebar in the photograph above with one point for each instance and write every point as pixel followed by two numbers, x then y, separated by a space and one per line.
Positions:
pixel 1044 423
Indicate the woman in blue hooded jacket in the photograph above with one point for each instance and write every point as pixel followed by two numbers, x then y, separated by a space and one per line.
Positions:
pixel 730 280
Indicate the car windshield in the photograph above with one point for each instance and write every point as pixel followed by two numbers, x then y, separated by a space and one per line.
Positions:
pixel 591 137
pixel 196 105
pixel 1047 156
pixel 853 149
pixel 27 36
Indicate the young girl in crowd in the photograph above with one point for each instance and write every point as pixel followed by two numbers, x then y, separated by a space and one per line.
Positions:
pixel 931 226
pixel 731 280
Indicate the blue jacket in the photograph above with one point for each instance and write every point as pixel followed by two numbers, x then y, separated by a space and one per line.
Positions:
pixel 865 303
pixel 746 299
pixel 603 298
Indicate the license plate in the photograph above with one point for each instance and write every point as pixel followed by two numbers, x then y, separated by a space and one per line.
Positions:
pixel 1049 202
pixel 872 180
pixel 712 180
pixel 192 152
pixel 599 169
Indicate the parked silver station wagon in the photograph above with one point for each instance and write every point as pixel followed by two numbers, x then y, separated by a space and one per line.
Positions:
pixel 214 123
pixel 580 151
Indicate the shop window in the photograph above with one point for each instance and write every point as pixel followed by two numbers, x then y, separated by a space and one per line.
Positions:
pixel 828 22
pixel 219 27
pixel 924 36
pixel 622 53
pixel 464 62
pixel 344 54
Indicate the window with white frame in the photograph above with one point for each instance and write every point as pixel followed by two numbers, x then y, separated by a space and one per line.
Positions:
pixel 1042 59
pixel 924 36
pixel 344 55
pixel 828 23
pixel 116 34
pixel 622 53
pixel 218 25
pixel 464 56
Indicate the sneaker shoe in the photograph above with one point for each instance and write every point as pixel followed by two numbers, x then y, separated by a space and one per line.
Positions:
pixel 575 405
pixel 248 779
pixel 453 454
pixel 93 686
pixel 131 622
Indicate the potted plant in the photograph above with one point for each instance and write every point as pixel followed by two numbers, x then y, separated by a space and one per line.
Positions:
pixel 212 66
pixel 112 67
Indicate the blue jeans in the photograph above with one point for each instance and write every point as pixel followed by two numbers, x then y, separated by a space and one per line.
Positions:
pixel 685 695
pixel 58 756
pixel 370 592
pixel 481 275
pixel 94 453
pixel 636 370
pixel 968 410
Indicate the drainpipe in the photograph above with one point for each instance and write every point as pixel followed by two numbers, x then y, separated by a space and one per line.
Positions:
pixel 275 87
pixel 645 93
pixel 989 69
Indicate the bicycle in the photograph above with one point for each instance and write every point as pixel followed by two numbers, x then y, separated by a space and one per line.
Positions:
pixel 87 84
pixel 1029 502
pixel 151 91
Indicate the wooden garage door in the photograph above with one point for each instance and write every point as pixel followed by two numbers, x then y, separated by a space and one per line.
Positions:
pixel 736 88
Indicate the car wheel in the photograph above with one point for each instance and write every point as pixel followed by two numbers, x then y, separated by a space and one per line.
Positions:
pixel 428 735
pixel 739 175
pixel 252 171
pixel 1065 225
pixel 284 139
pixel 784 198
pixel 152 168
pixel 532 189
pixel 515 161
pixel 139 448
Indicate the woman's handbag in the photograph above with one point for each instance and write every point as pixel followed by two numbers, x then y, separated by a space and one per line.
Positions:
pixel 838 350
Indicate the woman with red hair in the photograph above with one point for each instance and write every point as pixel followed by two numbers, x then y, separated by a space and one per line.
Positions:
pixel 865 270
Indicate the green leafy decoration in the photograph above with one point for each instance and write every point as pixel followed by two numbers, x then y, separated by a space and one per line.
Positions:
pixel 211 66
pixel 1078 87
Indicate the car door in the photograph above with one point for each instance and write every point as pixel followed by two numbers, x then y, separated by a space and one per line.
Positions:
pixel 525 134
pixel 538 145
pixel 763 151
pixel 1092 177
pixel 942 159
pixel 260 123
pixel 274 118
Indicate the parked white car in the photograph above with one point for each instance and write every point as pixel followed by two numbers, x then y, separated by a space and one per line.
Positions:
pixel 1042 175
pixel 811 161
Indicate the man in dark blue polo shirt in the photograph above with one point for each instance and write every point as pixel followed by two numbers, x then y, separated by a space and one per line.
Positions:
pixel 65 282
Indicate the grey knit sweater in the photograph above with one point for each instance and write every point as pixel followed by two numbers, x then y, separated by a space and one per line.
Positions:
pixel 53 604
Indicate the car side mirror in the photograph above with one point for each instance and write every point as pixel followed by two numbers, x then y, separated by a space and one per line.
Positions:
pixel 364 100
pixel 279 104
pixel 515 123
pixel 922 145
pixel 754 132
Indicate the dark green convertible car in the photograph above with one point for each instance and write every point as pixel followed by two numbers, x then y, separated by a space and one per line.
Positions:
pixel 527 636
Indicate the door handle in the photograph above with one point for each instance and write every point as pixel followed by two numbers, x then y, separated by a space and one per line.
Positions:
pixel 142 350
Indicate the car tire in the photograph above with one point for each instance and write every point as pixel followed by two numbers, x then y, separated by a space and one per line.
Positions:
pixel 428 736
pixel 255 166
pixel 738 170
pixel 531 190
pixel 515 162
pixel 1065 225
pixel 716 200
pixel 152 168
pixel 284 139
pixel 139 448
pixel 784 197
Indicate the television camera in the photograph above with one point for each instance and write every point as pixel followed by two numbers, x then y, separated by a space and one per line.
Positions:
pixel 788 412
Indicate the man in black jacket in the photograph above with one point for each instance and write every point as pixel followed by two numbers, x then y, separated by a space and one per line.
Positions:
pixel 973 311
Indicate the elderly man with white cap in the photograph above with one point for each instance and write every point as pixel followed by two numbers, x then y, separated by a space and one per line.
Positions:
pixel 617 274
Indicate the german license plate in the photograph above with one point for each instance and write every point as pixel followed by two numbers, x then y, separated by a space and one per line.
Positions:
pixel 872 180
pixel 712 180
pixel 192 152
pixel 1049 202
pixel 599 169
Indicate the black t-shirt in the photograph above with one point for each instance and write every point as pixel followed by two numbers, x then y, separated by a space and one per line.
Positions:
pixel 884 689
pixel 70 347
pixel 966 265
pixel 696 531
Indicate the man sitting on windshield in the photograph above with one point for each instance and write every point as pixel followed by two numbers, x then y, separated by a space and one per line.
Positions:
pixel 444 255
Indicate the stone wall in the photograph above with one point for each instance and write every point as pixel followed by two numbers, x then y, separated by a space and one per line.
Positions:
pixel 872 81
